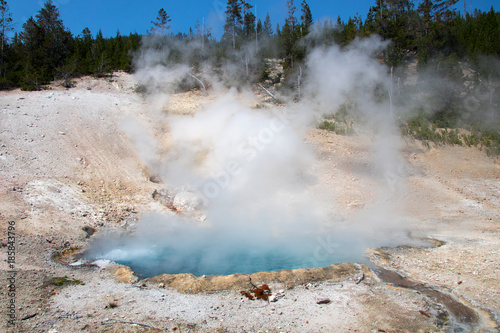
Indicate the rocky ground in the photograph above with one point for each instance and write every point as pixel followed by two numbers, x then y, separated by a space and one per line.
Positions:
pixel 68 171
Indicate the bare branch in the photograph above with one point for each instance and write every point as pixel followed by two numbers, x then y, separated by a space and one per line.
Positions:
pixel 267 91
pixel 201 82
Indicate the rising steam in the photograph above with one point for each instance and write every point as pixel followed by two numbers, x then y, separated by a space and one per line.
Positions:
pixel 251 173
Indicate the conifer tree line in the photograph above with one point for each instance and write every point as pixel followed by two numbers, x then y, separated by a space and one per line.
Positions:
pixel 44 49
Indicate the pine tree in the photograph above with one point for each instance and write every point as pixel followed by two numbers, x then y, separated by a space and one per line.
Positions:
pixel 268 29
pixel 350 31
pixel 291 20
pixel 84 51
pixel 425 10
pixel 14 63
pixel 234 21
pixel 100 55
pixel 289 36
pixel 306 18
pixel 5 26
pixel 259 28
pixel 436 19
pixel 248 25
pixel 337 32
pixel 87 35
pixel 161 25
pixel 440 8
pixel 55 38
pixel 31 38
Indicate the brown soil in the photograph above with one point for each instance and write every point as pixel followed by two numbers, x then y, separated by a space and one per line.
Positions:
pixel 66 165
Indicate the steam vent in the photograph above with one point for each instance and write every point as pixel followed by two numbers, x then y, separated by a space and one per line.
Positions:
pixel 250 166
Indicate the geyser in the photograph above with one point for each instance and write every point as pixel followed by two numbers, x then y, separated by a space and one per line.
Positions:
pixel 253 177
pixel 248 173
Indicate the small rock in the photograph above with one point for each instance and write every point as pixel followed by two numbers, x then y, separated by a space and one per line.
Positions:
pixel 186 201
pixel 89 230
pixel 324 301
pixel 155 179
pixel 275 297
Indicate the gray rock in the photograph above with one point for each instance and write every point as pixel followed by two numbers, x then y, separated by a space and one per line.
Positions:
pixel 187 201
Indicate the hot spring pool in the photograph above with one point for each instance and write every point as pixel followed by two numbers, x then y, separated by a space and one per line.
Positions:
pixel 224 258
pixel 172 246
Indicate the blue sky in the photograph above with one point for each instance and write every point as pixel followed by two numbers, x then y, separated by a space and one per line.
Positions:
pixel 136 16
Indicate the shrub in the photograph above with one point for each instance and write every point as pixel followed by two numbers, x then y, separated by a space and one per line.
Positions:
pixel 6 84
pixel 327 125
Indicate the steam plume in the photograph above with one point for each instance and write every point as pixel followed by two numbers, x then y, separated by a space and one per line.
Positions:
pixel 252 172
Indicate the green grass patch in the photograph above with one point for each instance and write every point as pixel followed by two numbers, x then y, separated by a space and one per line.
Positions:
pixel 64 280
pixel 421 128
pixel 339 122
